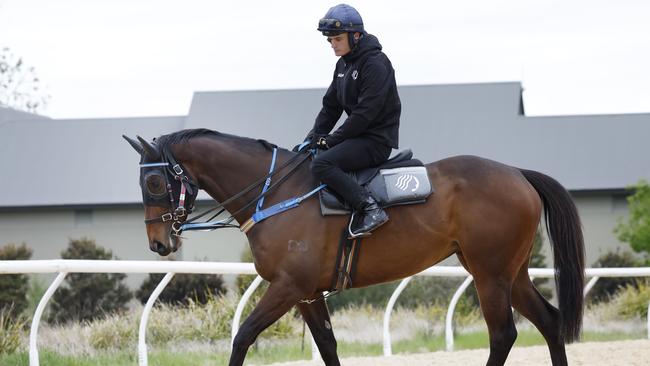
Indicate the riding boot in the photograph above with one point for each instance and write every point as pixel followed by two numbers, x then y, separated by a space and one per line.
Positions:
pixel 367 217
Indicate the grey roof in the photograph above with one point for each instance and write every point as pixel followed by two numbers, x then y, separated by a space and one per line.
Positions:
pixel 73 162
pixel 86 162
pixel 8 114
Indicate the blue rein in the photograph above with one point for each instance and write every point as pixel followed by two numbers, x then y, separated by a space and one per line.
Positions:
pixel 260 214
pixel 268 180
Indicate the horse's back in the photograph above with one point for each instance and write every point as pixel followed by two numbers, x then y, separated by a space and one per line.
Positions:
pixel 476 175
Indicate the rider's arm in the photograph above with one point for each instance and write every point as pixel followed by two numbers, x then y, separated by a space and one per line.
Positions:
pixel 331 111
pixel 375 85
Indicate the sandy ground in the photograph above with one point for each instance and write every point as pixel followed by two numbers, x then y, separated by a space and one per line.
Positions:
pixel 624 353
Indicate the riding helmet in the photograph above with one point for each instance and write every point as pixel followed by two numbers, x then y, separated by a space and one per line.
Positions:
pixel 340 19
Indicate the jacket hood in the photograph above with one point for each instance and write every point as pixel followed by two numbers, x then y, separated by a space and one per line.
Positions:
pixel 368 44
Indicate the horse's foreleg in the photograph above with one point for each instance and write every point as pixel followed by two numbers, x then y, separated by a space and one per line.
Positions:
pixel 276 301
pixel 318 319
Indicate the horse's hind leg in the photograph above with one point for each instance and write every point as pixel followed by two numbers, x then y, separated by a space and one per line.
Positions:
pixel 531 304
pixel 318 319
pixel 276 301
pixel 494 296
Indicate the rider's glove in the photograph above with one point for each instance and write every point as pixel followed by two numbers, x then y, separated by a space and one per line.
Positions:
pixel 321 143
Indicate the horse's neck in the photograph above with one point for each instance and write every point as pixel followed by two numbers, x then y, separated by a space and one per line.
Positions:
pixel 223 169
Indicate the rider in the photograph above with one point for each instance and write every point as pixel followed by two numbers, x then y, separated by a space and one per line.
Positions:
pixel 364 87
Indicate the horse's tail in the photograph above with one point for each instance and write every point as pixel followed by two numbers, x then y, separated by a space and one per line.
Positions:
pixel 565 231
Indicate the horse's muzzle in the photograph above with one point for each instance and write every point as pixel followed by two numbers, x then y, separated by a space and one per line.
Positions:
pixel 161 249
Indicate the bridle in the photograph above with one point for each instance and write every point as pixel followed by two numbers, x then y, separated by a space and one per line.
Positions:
pixel 188 192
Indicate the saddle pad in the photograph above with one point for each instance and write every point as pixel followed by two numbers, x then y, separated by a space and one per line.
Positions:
pixel 397 186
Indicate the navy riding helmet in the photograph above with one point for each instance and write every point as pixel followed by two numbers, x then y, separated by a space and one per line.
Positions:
pixel 340 19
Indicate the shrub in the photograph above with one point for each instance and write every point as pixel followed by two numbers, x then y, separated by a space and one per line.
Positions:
pixel 37 288
pixel 183 288
pixel 87 296
pixel 113 331
pixel 605 288
pixel 421 292
pixel 209 322
pixel 374 296
pixel 635 230
pixel 14 287
pixel 11 330
pixel 633 300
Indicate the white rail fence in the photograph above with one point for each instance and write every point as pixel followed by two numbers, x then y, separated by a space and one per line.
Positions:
pixel 63 267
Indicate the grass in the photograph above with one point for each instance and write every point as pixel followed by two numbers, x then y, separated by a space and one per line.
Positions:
pixel 289 350
pixel 199 334
pixel 11 331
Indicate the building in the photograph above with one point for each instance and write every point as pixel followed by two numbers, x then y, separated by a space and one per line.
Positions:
pixel 70 178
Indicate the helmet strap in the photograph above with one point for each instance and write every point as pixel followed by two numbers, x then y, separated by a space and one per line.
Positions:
pixel 352 41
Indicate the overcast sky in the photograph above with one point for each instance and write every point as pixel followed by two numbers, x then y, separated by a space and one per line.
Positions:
pixel 146 58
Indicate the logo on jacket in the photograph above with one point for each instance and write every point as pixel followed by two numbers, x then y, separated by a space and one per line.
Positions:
pixel 355 74
pixel 340 75
pixel 405 180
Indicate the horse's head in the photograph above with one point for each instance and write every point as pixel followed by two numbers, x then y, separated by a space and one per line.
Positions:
pixel 164 188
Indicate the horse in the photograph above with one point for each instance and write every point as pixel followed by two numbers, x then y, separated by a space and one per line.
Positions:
pixel 483 211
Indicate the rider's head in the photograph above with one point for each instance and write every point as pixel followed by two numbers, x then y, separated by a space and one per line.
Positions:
pixel 343 27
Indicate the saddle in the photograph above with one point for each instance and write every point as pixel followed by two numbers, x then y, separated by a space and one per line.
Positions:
pixel 401 180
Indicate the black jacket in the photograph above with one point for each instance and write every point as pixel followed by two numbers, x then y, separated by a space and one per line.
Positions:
pixel 364 87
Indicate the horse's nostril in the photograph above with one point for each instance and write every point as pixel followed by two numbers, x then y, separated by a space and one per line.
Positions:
pixel 160 248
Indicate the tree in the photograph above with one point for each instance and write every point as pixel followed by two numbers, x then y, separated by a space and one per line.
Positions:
pixel 20 88
pixel 88 296
pixel 605 288
pixel 183 288
pixel 636 229
pixel 13 287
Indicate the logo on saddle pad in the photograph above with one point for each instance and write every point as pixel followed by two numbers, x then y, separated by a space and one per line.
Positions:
pixel 404 181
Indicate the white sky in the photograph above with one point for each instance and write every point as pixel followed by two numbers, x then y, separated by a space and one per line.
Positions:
pixel 146 58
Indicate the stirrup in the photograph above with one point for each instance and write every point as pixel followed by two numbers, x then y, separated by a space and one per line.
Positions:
pixel 351 235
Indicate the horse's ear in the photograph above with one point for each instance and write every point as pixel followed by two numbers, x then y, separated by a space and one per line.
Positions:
pixel 136 145
pixel 149 149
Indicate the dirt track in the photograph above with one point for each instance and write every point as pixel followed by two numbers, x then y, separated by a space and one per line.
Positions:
pixel 624 353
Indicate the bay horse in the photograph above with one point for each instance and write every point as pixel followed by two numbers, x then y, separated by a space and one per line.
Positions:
pixel 483 211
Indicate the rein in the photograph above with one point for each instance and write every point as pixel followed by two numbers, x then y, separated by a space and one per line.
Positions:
pixel 189 224
pixel 263 180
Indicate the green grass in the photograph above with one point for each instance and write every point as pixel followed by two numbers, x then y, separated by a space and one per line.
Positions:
pixel 290 350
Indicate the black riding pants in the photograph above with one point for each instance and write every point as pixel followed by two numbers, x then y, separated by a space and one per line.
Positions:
pixel 329 166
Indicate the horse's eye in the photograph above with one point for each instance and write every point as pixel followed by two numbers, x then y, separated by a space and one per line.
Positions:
pixel 155 185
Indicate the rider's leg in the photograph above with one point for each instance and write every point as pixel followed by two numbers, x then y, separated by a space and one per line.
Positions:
pixel 330 166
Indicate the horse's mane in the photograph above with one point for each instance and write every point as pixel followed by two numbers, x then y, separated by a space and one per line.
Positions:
pixel 165 142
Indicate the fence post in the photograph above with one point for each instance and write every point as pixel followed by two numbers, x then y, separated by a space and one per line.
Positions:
pixel 589 285
pixel 33 333
pixel 389 309
pixel 142 342
pixel 449 328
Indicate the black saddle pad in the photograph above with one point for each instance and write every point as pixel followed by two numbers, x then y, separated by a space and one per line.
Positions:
pixel 400 180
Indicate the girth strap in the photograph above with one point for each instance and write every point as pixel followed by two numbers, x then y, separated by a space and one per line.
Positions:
pixel 346 262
